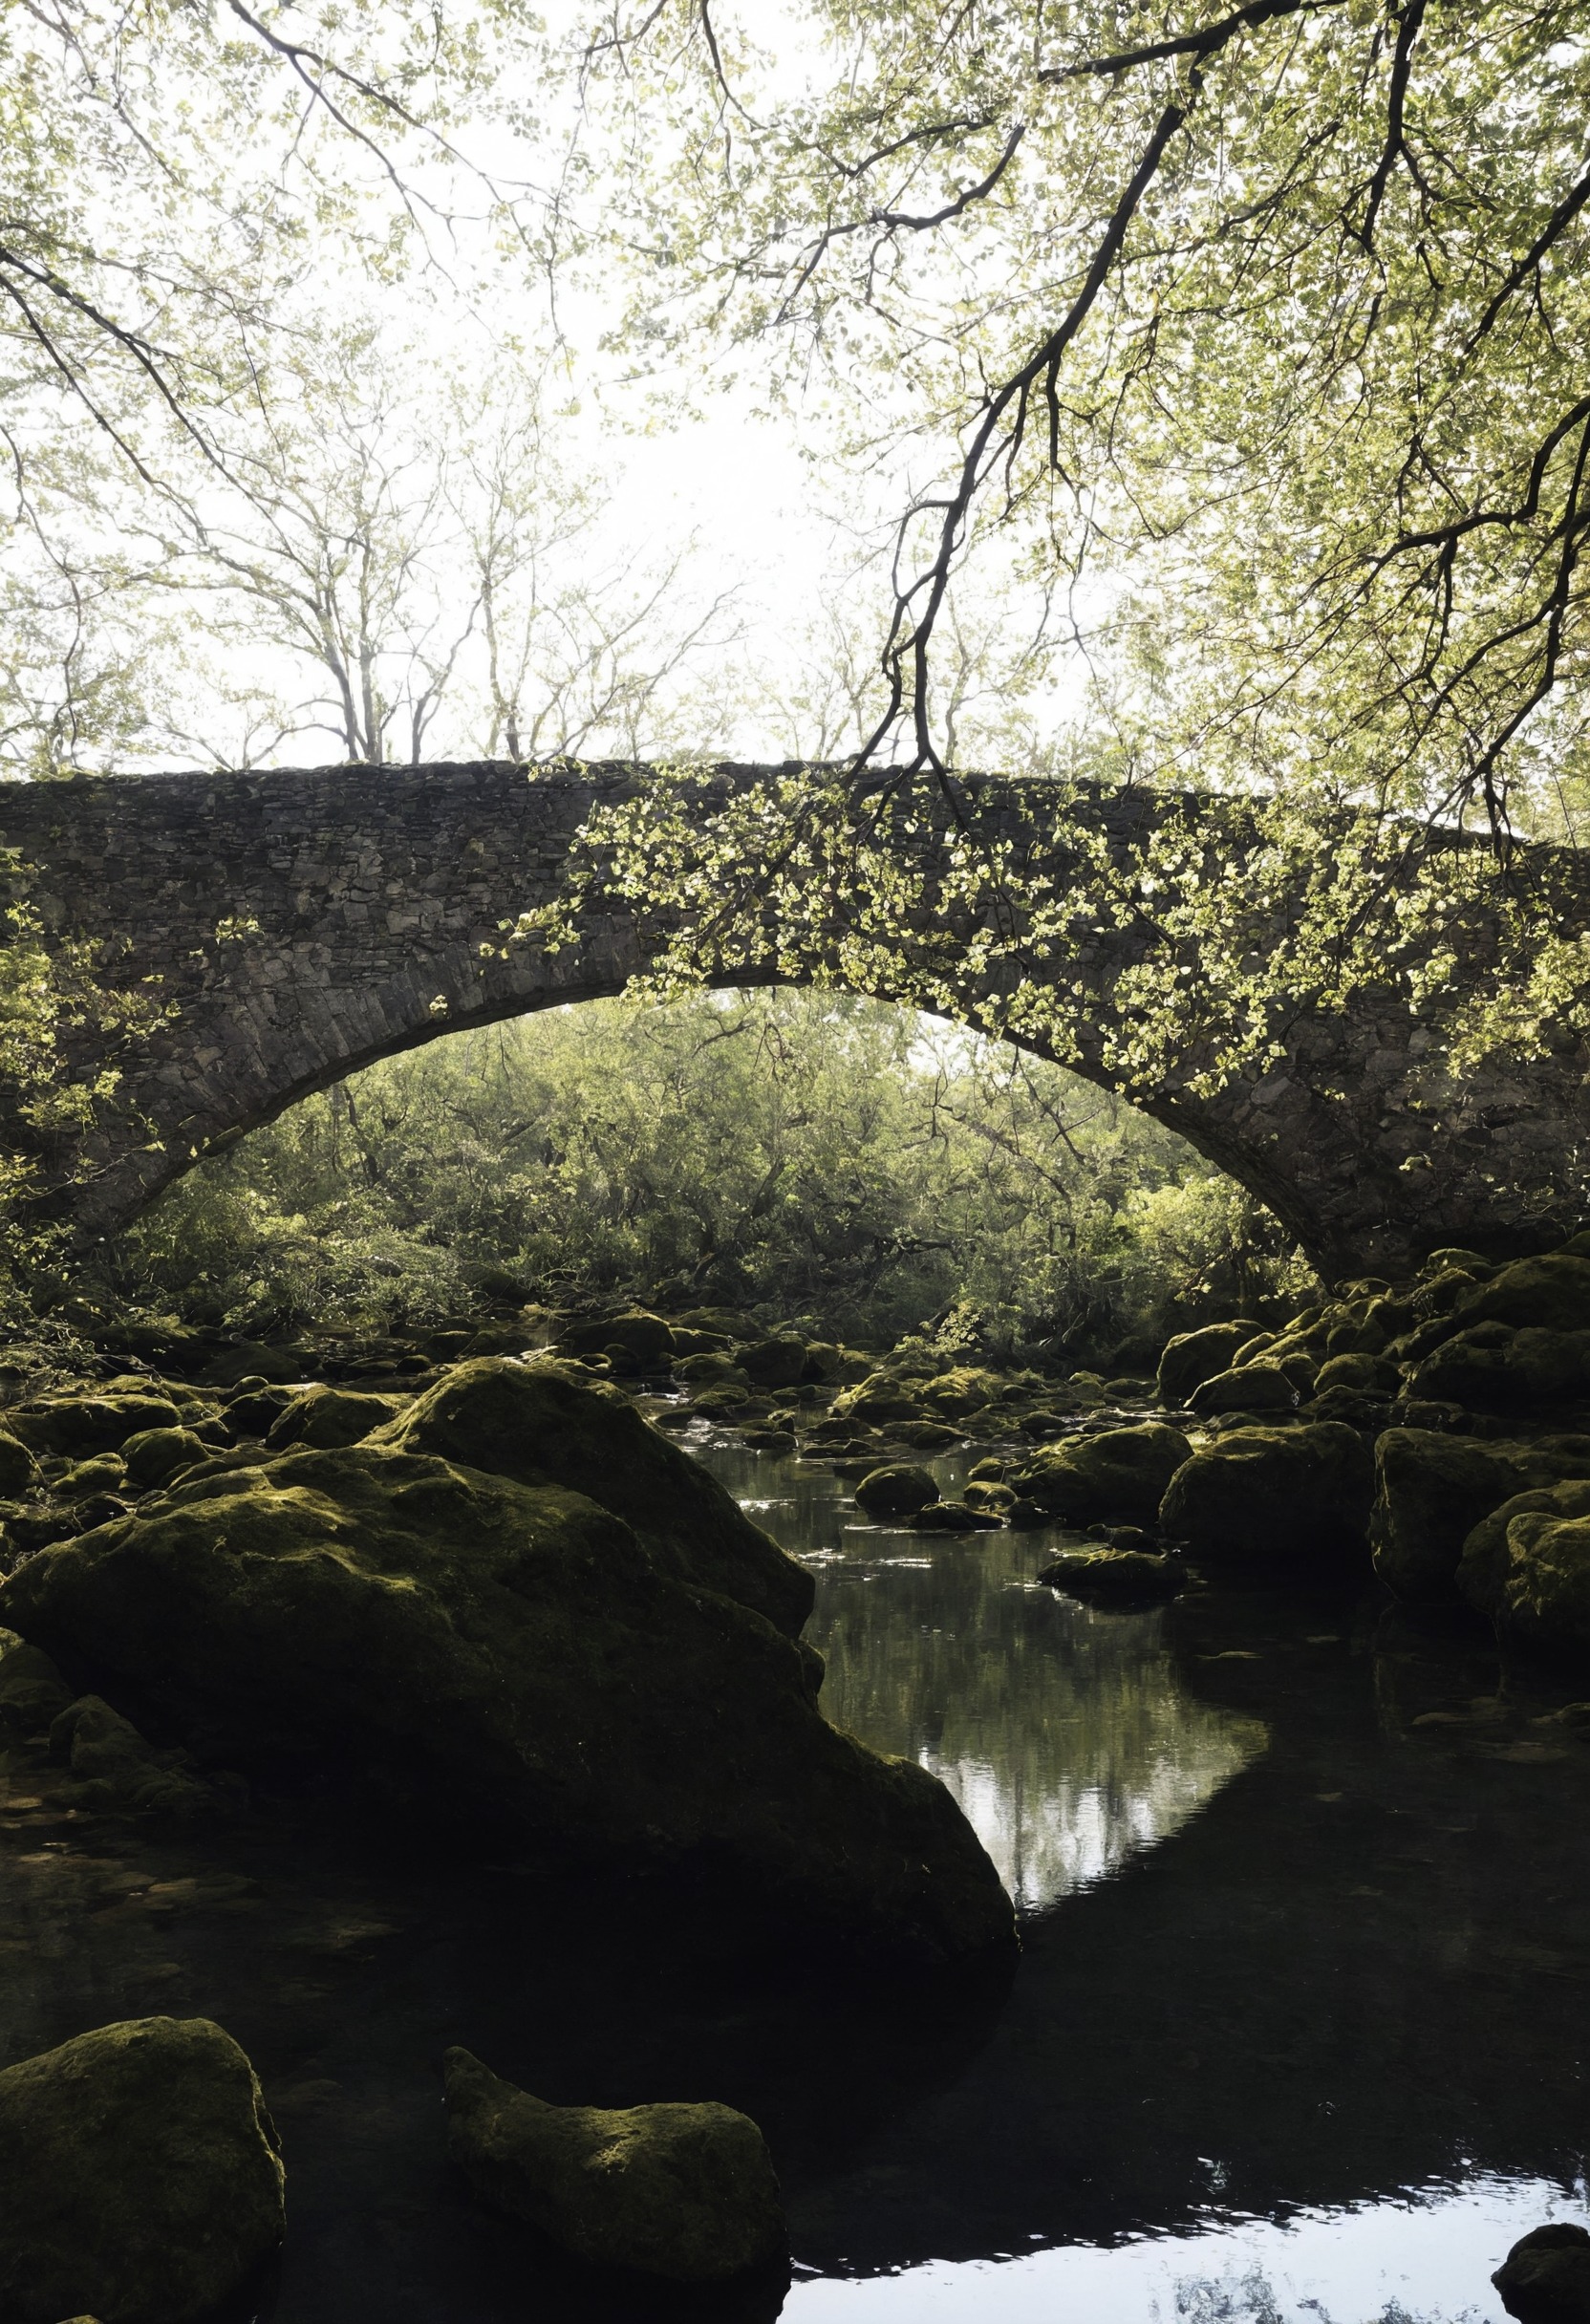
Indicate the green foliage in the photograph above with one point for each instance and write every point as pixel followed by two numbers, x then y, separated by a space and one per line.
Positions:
pixel 1261 325
pixel 799 1152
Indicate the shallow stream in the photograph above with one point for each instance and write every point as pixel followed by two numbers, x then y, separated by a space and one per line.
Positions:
pixel 1297 2035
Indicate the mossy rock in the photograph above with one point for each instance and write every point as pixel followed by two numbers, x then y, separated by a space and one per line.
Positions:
pixel 513 1662
pixel 647 1340
pixel 1431 1489
pixel 1545 2278
pixel 896 1490
pixel 685 2192
pixel 1275 1496
pixel 121 1773
pixel 141 2178
pixel 1116 1577
pixel 1549 1294
pixel 106 1473
pixel 773 1363
pixel 33 1692
pixel 880 1397
pixel 322 1419
pixel 1248 1388
pixel 1527 1567
pixel 78 1426
pixel 715 1370
pixel 18 1468
pixel 1360 1370
pixel 540 1425
pixel 1120 1472
pixel 155 1455
pixel 967 1387
pixel 955 1517
pixel 1497 1367
pixel 1194 1357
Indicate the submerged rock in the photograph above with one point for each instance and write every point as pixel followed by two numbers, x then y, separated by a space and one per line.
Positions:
pixel 1277 1495
pixel 1545 2278
pixel 1120 1472
pixel 141 2178
pixel 681 2191
pixel 516 1660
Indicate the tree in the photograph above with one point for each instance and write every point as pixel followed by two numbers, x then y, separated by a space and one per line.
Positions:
pixel 1267 317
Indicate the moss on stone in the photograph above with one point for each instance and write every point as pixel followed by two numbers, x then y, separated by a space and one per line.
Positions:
pixel 141 2177
pixel 1120 1472
pixel 78 1426
pixel 322 1419
pixel 685 2192
pixel 1431 1490
pixel 896 1490
pixel 155 1455
pixel 1192 1357
pixel 1274 1496
pixel 513 1659
pixel 539 1425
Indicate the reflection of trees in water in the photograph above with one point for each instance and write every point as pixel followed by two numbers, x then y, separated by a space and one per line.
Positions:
pixel 1063 1731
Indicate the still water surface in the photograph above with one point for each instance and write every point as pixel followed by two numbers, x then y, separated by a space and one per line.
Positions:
pixel 1298 2028
pixel 1297 2035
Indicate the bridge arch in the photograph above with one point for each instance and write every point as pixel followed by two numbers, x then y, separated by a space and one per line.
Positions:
pixel 300 924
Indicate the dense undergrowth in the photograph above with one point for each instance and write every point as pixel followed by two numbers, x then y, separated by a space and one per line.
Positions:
pixel 858 1168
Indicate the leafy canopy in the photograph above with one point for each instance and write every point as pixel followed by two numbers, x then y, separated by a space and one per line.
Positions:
pixel 1265 325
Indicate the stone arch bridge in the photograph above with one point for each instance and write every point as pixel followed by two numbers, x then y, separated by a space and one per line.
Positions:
pixel 304 924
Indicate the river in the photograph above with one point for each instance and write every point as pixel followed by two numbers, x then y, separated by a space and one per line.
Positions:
pixel 1295 2036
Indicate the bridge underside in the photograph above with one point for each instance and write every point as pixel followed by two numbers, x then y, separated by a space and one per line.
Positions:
pixel 299 925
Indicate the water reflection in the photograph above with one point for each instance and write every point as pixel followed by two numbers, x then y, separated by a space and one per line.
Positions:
pixel 1064 1732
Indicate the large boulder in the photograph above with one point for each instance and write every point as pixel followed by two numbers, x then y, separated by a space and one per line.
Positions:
pixel 1192 1357
pixel 541 1425
pixel 1527 1565
pixel 1545 2278
pixel 1549 1294
pixel 1275 1496
pixel 1431 1489
pixel 141 2179
pixel 1496 1368
pixel 681 2191
pixel 514 1662
pixel 1120 1472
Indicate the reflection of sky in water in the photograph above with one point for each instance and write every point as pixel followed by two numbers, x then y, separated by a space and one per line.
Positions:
pixel 1085 1822
pixel 1425 2258
pixel 1062 1730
